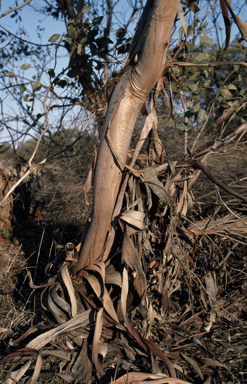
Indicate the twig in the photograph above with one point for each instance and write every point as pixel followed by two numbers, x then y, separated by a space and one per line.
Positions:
pixel 186 122
pixel 47 126
pixel 198 165
pixel 44 161
pixel 215 64
pixel 15 8
pixel 242 128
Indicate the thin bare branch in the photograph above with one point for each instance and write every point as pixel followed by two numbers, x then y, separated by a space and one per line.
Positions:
pixel 44 161
pixel 15 8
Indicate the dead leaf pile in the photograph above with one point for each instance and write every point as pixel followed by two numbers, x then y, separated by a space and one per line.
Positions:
pixel 169 304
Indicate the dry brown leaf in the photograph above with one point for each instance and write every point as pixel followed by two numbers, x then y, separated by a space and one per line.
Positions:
pixel 28 332
pixel 56 311
pixel 182 19
pixel 95 284
pixel 96 338
pixel 149 177
pixel 241 25
pixel 100 289
pixel 148 347
pixel 144 133
pixel 15 376
pixel 82 368
pixel 66 377
pixel 124 292
pixel 132 259
pixel 135 218
pixel 58 299
pixel 191 4
pixel 138 377
pixel 37 370
pixel 54 352
pixel 210 363
pixel 81 320
pixel 70 289
pixel 113 277
pixel 211 288
pixel 194 365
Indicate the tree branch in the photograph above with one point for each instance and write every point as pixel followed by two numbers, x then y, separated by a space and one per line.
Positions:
pixel 15 8
pixel 215 64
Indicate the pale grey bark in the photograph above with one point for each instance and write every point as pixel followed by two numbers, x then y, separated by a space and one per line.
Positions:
pixel 128 97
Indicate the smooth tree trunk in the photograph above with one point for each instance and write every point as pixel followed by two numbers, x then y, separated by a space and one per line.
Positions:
pixel 149 46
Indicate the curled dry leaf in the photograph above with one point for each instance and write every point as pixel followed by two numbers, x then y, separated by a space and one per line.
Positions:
pixel 68 284
pixel 150 178
pixel 78 321
pixel 135 218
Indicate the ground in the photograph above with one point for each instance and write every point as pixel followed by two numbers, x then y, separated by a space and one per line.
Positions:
pixel 174 290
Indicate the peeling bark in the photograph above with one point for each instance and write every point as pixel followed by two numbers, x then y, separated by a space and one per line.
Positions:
pixel 125 105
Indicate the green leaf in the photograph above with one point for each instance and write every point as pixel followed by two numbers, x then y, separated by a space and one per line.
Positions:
pixel 180 33
pixel 183 127
pixel 197 107
pixel 202 115
pixel 72 32
pixel 236 104
pixel 84 40
pixel 189 114
pixel 176 71
pixel 190 29
pixel 196 21
pixel 205 32
pixel 61 83
pixel 194 77
pixel 73 72
pixel 239 77
pixel 86 9
pixel 79 48
pixel 9 73
pixel 54 37
pixel 26 97
pixel 68 40
pixel 207 82
pixel 226 93
pixel 25 66
pixel 189 45
pixel 206 40
pixel 37 86
pixel 242 92
pixel 193 87
pixel 51 72
pixel 202 56
pixel 22 88
pixel 97 20
pixel 232 86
